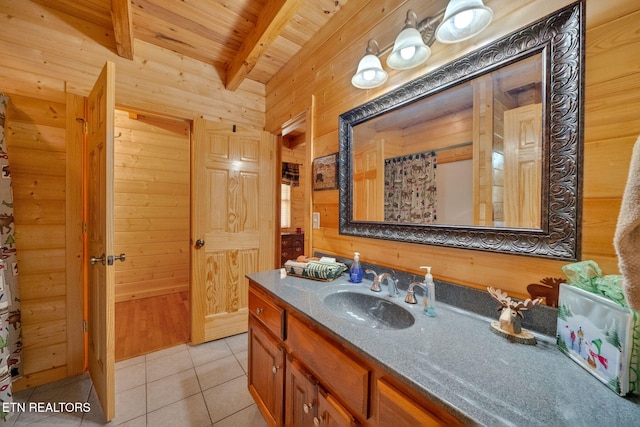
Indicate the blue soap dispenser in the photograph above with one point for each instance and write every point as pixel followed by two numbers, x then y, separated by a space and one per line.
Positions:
pixel 355 274
pixel 430 309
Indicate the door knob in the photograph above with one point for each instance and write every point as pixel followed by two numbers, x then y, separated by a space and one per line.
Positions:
pixel 199 243
pixel 95 260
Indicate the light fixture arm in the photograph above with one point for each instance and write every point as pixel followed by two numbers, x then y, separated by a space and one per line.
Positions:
pixel 376 48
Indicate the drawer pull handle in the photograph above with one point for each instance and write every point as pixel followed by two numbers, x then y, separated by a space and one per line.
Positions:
pixel 259 310
pixel 307 407
pixel 317 421
pixel 275 369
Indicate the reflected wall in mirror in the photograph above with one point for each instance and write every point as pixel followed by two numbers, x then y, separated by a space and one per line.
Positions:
pixel 483 153
pixel 470 155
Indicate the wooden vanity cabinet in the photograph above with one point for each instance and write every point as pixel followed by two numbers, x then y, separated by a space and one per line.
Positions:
pixel 301 377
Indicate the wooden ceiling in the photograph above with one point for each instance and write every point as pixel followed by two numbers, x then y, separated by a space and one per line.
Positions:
pixel 246 39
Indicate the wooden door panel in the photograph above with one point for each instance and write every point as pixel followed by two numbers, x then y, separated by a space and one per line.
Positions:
pixel 101 286
pixel 233 214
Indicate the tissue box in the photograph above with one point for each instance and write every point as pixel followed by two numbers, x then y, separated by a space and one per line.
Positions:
pixel 598 334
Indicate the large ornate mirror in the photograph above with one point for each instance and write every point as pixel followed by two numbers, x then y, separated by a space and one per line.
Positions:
pixel 483 153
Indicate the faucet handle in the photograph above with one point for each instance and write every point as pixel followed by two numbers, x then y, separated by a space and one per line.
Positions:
pixel 375 287
pixel 410 298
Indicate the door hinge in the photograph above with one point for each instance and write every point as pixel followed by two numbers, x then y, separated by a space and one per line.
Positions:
pixel 85 326
pixel 84 228
pixel 85 128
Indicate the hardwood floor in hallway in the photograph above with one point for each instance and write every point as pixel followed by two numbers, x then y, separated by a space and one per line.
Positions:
pixel 149 324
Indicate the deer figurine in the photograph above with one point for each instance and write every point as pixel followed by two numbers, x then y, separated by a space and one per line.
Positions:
pixel 510 317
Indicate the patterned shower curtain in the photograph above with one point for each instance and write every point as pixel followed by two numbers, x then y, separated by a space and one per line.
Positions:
pixel 410 188
pixel 10 326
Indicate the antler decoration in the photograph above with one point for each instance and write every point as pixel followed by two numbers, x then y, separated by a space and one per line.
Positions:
pixel 507 302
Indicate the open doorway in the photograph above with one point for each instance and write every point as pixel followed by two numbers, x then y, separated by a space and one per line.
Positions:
pixel 151 223
pixel 293 156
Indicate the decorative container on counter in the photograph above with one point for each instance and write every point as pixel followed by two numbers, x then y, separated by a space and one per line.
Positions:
pixel 597 333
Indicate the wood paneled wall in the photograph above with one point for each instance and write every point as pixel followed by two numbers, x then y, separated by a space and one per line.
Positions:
pixel 152 184
pixel 318 78
pixel 38 160
pixel 48 62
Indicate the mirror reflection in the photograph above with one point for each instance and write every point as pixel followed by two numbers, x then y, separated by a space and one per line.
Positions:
pixel 472 155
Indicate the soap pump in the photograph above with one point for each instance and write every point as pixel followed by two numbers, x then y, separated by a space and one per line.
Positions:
pixel 430 310
pixel 356 273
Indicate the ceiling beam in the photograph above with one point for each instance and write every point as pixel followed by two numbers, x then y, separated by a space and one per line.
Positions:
pixel 122 27
pixel 271 21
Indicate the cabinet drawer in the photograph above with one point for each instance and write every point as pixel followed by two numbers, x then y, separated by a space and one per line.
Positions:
pixel 347 379
pixel 396 408
pixel 267 312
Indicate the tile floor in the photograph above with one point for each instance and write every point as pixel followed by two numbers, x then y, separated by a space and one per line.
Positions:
pixel 203 385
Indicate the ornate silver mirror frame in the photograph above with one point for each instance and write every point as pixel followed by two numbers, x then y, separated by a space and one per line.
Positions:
pixel 559 38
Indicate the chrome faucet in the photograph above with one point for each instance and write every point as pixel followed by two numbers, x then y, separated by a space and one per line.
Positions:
pixel 391 283
pixel 411 298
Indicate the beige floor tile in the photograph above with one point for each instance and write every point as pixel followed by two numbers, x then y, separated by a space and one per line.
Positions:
pixel 58 419
pixel 191 412
pixel 136 422
pixel 227 398
pixel 219 371
pixel 73 389
pixel 129 377
pixel 166 352
pixel 169 364
pixel 238 342
pixel 129 362
pixel 243 359
pixel 162 388
pixel 209 351
pixel 130 404
pixel 248 417
pixel 171 389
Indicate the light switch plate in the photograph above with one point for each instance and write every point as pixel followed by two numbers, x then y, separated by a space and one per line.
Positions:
pixel 316 220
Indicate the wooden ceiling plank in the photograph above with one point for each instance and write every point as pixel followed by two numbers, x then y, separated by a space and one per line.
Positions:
pixel 122 27
pixel 272 20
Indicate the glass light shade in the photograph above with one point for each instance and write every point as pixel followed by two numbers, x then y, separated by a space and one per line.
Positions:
pixel 408 51
pixel 369 74
pixel 462 20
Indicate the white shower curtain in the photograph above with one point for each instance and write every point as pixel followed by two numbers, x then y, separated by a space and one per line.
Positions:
pixel 10 325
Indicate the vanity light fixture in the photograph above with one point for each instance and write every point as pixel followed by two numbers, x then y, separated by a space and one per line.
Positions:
pixel 409 50
pixel 461 20
pixel 370 73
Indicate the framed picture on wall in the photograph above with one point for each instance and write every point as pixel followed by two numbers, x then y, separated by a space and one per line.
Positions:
pixel 325 172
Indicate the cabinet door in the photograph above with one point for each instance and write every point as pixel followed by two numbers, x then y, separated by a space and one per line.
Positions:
pixel 266 372
pixel 301 399
pixel 331 413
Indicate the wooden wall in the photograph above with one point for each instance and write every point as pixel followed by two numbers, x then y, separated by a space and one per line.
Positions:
pixel 48 62
pixel 36 134
pixel 152 184
pixel 318 79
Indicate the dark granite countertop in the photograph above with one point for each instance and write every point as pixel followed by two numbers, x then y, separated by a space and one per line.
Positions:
pixel 456 361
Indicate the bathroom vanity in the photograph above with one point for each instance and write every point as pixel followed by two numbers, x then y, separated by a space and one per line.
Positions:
pixel 320 353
